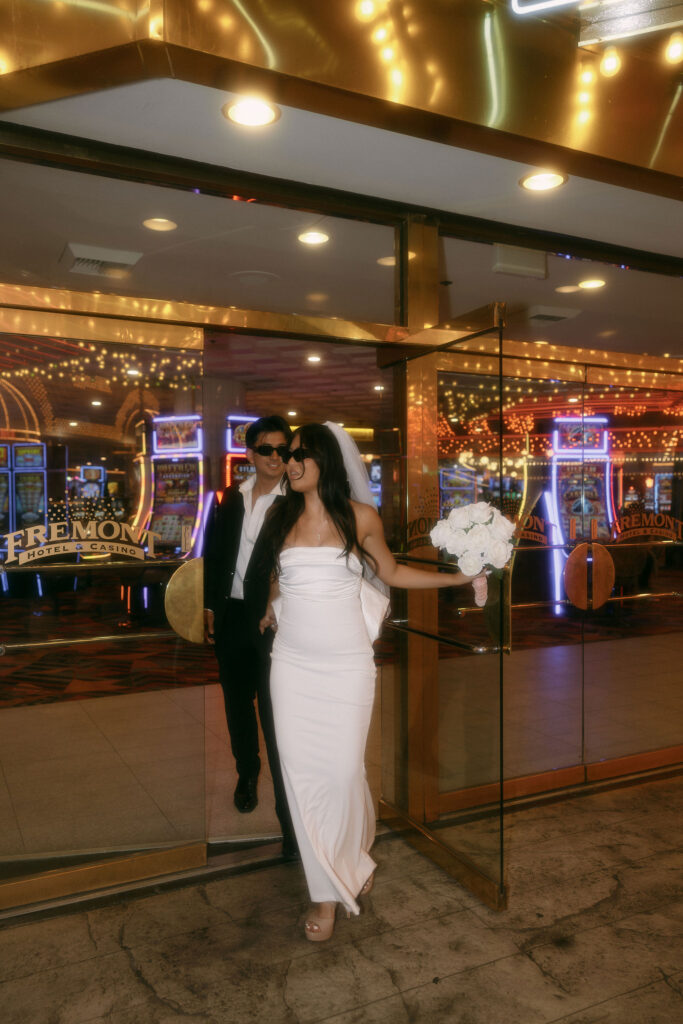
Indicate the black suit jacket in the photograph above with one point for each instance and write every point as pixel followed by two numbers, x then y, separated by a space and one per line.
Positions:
pixel 221 547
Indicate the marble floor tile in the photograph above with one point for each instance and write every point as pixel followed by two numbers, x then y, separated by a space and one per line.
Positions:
pixel 332 981
pixel 653 1004
pixel 601 963
pixel 200 973
pixel 73 993
pixel 509 991
pixel 436 947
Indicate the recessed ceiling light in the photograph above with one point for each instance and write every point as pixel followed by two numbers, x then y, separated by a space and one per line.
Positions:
pixel 591 283
pixel 133 372
pixel 390 261
pixel 73 423
pixel 566 288
pixel 573 399
pixel 313 359
pixel 160 224
pixel 103 458
pixel 251 112
pixel 291 412
pixel 96 401
pixel 379 387
pixel 543 181
pixel 313 237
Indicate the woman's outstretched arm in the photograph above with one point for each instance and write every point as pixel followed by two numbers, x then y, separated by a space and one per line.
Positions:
pixel 371 536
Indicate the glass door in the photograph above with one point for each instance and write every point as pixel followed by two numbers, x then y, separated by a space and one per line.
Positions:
pixel 633 634
pixel 102 499
pixel 593 677
pixel 441 656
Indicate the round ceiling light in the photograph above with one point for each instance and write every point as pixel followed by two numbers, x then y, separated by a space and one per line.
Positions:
pixel 591 283
pixel 251 112
pixel 159 224
pixel 291 412
pixel 313 359
pixel 379 387
pixel 96 401
pixel 543 181
pixel 73 423
pixel 313 237
pixel 133 372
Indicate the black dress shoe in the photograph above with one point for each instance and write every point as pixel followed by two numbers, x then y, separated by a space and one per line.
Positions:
pixel 290 850
pixel 246 797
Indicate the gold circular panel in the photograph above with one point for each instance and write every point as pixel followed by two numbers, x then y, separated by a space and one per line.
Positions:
pixel 184 601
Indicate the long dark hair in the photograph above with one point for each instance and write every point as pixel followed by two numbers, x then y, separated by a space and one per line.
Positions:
pixel 334 491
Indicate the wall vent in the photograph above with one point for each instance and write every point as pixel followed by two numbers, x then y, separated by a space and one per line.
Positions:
pixel 96 261
pixel 512 259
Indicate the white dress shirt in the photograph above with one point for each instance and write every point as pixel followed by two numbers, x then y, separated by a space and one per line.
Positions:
pixel 254 514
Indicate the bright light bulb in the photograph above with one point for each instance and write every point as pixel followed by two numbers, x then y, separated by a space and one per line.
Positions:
pixel 314 237
pixel 673 53
pixel 365 9
pixel 610 64
pixel 96 401
pixel 542 181
pixel 251 112
pixel 590 284
pixel 159 224
pixel 313 359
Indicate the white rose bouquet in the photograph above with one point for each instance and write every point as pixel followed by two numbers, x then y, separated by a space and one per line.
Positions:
pixel 480 537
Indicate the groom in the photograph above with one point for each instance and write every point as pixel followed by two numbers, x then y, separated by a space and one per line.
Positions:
pixel 235 598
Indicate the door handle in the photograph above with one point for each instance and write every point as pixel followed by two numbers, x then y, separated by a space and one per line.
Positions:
pixel 589 576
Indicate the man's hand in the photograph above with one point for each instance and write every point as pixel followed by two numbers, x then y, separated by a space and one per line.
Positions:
pixel 208 626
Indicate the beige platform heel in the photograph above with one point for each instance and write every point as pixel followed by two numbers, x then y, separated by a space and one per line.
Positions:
pixel 319 928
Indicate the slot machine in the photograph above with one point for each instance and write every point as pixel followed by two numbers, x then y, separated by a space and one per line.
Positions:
pixel 92 481
pixel 177 482
pixel 29 484
pixel 237 466
pixel 580 503
pixel 6 495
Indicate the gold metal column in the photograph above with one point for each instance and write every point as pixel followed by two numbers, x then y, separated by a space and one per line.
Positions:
pixel 420 289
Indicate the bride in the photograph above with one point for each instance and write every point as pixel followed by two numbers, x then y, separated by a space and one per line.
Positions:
pixel 330 569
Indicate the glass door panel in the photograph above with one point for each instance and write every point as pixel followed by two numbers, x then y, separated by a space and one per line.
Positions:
pixel 634 640
pixel 441 665
pixel 102 707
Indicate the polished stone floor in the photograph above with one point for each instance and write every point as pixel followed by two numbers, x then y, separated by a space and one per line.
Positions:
pixel 593 935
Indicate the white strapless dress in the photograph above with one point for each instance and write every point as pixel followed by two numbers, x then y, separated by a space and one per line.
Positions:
pixel 322 684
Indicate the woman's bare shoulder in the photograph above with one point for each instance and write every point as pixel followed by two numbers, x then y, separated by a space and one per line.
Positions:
pixel 366 515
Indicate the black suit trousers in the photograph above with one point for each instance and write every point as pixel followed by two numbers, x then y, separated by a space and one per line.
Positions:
pixel 244 672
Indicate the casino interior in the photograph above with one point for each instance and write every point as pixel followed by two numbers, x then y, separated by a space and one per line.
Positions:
pixel 372 250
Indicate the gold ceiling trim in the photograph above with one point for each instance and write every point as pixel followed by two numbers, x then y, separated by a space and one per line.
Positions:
pixel 190 319
pixel 466 75
pixel 158 322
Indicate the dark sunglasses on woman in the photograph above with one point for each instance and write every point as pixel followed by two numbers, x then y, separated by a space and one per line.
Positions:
pixel 268 449
pixel 298 454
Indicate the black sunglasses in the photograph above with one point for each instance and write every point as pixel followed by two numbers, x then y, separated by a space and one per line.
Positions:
pixel 298 454
pixel 268 449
